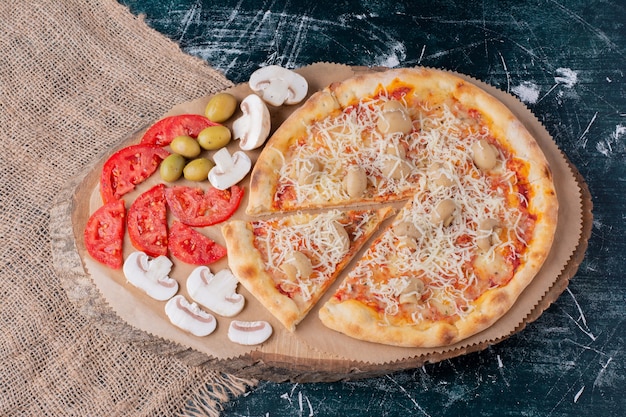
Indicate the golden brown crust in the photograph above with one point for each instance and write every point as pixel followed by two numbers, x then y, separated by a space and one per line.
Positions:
pixel 248 266
pixel 361 322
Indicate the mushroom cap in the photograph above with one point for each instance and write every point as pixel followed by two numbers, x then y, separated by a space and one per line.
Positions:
pixel 249 332
pixel 253 127
pixel 188 316
pixel 229 169
pixel 217 292
pixel 278 85
pixel 150 275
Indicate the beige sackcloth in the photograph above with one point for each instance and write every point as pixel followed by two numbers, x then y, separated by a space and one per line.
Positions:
pixel 76 77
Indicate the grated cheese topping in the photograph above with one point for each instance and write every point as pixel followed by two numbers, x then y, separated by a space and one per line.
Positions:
pixel 322 238
pixel 444 258
pixel 341 140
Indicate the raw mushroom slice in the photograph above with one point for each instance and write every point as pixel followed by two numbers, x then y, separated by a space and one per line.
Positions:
pixel 278 85
pixel 249 332
pixel 229 169
pixel 217 292
pixel 189 317
pixel 151 275
pixel 254 126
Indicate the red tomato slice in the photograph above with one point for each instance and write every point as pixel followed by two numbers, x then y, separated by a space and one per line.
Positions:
pixel 165 130
pixel 193 247
pixel 199 208
pixel 147 222
pixel 104 234
pixel 128 167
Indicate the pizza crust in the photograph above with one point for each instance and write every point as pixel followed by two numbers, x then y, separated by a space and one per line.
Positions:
pixel 246 263
pixel 359 321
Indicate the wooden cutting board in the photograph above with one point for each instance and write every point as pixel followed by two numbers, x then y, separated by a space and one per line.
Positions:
pixel 104 297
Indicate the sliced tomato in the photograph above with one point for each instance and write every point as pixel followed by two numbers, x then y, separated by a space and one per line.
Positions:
pixel 197 207
pixel 128 167
pixel 165 130
pixel 192 247
pixel 147 222
pixel 104 234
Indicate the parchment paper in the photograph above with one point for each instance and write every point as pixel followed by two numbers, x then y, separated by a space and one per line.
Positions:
pixel 144 313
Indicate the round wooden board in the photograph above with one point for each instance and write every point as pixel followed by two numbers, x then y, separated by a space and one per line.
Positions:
pixel 291 359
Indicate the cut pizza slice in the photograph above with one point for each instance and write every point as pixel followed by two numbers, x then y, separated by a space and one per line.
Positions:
pixel 288 263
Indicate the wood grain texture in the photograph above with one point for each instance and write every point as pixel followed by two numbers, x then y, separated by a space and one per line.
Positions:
pixel 565 60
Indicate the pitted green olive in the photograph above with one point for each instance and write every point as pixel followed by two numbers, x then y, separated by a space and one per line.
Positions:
pixel 220 107
pixel 185 146
pixel 172 167
pixel 198 169
pixel 214 137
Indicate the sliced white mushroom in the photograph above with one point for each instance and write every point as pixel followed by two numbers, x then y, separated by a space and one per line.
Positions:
pixel 249 332
pixel 439 176
pixel 297 265
pixel 229 169
pixel 253 127
pixel 355 181
pixel 408 229
pixel 412 294
pixel 278 85
pixel 306 170
pixel 151 275
pixel 341 242
pixel 444 212
pixel 486 229
pixel 217 292
pixel 394 118
pixel 189 317
pixel 484 154
pixel 395 165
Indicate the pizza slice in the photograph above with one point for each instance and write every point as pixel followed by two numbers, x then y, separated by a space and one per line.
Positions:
pixel 288 263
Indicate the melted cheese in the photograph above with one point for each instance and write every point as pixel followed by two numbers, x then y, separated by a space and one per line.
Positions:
pixel 316 236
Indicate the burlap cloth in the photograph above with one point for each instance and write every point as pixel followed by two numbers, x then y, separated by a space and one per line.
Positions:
pixel 76 77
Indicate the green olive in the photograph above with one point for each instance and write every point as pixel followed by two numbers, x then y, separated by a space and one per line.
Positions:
pixel 172 167
pixel 185 146
pixel 214 137
pixel 198 169
pixel 220 107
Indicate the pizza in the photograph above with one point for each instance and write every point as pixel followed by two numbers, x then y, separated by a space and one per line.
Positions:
pixel 478 206
pixel 288 262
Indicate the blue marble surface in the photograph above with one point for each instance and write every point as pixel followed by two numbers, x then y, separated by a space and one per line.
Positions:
pixel 565 60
